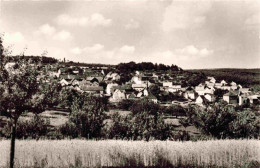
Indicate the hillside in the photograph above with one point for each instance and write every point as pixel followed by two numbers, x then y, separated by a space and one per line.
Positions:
pixel 245 77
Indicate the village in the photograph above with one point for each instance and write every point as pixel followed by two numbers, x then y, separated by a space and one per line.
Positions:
pixel 104 81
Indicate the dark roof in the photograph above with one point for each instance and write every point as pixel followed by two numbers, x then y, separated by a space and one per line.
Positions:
pixel 132 96
pixel 91 88
pixel 232 93
pixel 150 96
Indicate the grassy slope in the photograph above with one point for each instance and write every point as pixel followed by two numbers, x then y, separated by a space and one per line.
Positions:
pixel 246 77
pixel 116 153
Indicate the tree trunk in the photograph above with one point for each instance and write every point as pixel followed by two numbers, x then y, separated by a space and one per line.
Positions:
pixel 13 144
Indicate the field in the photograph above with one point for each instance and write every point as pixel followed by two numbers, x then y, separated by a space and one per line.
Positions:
pixel 117 153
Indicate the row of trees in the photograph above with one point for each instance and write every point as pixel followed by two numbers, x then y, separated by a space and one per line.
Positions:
pixel 221 121
pixel 144 66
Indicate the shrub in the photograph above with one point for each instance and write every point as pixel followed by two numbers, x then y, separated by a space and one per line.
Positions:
pixel 223 121
pixel 86 118
pixel 175 110
pixel 145 105
pixel 125 104
pixel 35 128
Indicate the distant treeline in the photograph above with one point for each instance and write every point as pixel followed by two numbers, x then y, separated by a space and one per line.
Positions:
pixel 132 66
pixel 245 77
pixel 34 59
pixel 71 63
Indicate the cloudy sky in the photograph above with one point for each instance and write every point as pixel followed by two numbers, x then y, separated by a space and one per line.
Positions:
pixel 190 34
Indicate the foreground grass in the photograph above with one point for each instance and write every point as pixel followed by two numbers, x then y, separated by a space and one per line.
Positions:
pixel 117 153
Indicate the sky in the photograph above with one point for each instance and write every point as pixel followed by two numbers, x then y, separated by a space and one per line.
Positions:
pixel 190 34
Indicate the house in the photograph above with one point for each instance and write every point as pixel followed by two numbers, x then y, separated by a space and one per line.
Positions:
pixel 211 79
pixel 201 100
pixel 254 99
pixel 233 87
pixel 243 99
pixel 167 84
pixel 109 87
pixel 200 89
pixel 94 80
pixel 136 79
pixel 190 94
pixel 209 97
pixel 139 87
pixel 245 90
pixel 112 76
pixel 145 92
pixel 209 90
pixel 64 82
pixel 131 96
pixel 233 83
pixel 9 65
pixel 93 89
pixel 225 87
pixel 223 82
pixel 152 98
pixel 211 85
pixel 218 85
pixel 231 97
pixel 174 88
pixel 118 95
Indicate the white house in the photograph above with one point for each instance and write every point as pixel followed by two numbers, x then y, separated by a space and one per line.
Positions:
pixel 64 82
pixel 167 84
pixel 209 97
pixel 139 87
pixel 200 90
pixel 212 79
pixel 174 88
pixel 190 95
pixel 233 83
pixel 200 100
pixel 109 86
pixel 118 95
pixel 136 80
pixel 223 82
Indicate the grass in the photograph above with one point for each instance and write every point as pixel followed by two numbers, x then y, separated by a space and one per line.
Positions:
pixel 117 153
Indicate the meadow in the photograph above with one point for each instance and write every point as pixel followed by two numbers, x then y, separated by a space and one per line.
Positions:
pixel 118 153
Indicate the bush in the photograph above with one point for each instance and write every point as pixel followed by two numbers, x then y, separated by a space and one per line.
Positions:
pixel 145 105
pixel 125 104
pixel 34 128
pixel 86 118
pixel 223 121
pixel 141 126
pixel 175 110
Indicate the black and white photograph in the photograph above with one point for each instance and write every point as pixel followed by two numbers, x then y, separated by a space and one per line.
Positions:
pixel 129 84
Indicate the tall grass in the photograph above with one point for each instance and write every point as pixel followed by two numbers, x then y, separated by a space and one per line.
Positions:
pixel 117 153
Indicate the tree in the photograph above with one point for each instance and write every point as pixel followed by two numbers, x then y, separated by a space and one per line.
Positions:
pixel 87 114
pixel 22 90
pixel 224 121
pixel 155 90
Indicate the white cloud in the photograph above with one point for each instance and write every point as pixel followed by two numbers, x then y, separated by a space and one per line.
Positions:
pixel 93 49
pixel 76 51
pixel 46 29
pixel 185 15
pixel 253 20
pixel 98 54
pixel 62 35
pixel 89 50
pixel 127 49
pixel 132 24
pixel 95 19
pixel 191 52
pixel 50 32
pixel 12 38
